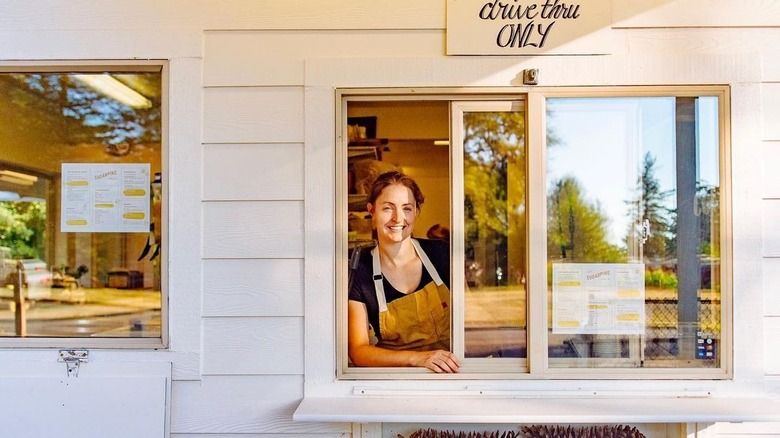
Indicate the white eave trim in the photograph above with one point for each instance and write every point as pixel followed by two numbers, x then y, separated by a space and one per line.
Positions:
pixel 481 409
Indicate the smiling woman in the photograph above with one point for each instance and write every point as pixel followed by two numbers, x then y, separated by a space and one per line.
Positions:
pixel 79 151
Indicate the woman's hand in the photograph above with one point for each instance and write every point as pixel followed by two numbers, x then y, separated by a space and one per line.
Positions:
pixel 439 361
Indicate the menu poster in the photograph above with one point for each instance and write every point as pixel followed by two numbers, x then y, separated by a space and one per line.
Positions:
pixel 105 198
pixel 594 298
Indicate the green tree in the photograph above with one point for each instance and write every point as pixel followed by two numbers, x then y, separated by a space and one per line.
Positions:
pixel 577 230
pixel 23 228
pixel 649 206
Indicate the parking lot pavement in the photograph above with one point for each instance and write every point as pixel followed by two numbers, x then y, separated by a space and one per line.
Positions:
pixel 81 303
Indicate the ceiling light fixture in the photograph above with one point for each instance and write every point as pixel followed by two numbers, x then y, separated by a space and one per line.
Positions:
pixel 114 89
pixel 441 142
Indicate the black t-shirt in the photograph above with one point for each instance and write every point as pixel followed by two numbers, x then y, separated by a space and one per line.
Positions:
pixel 363 278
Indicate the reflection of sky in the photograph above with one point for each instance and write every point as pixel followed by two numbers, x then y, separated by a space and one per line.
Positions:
pixel 603 142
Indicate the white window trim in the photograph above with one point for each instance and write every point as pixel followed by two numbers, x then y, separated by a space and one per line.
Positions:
pixel 182 51
pixel 323 76
pixel 117 342
pixel 540 367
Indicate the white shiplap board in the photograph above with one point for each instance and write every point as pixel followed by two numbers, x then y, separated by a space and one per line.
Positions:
pixel 770 61
pixel 733 430
pixel 631 69
pixel 771 231
pixel 769 169
pixel 225 14
pixel 258 229
pixel 253 115
pixel 253 172
pixel 771 276
pixel 246 58
pixel 770 110
pixel 702 40
pixel 99 44
pixel 256 345
pixel 771 342
pixel 253 287
pixel 242 405
pixel 687 13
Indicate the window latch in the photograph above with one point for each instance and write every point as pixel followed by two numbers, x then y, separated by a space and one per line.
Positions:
pixel 645 231
pixel 72 359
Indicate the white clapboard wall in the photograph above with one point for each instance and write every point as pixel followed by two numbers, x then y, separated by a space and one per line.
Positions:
pixel 248 377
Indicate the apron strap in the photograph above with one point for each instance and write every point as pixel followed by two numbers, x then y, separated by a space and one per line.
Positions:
pixel 379 287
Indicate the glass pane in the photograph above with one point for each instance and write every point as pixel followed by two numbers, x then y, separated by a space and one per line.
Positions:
pixel 633 232
pixel 80 204
pixel 495 233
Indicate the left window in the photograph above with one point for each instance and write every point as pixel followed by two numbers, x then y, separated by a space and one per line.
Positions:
pixel 82 197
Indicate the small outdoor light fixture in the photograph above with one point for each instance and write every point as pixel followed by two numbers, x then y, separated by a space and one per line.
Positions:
pixel 531 76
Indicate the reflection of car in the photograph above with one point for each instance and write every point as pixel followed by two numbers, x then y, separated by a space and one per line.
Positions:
pixel 36 278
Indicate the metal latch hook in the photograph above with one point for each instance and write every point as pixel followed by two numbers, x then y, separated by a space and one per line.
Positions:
pixel 72 359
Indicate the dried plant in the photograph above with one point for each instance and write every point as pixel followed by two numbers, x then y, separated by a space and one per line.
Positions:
pixel 538 431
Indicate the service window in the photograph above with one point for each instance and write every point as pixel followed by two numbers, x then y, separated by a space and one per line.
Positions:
pixel 587 228
pixel 81 205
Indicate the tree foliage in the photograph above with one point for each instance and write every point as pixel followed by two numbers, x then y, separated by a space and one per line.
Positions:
pixel 576 229
pixel 22 228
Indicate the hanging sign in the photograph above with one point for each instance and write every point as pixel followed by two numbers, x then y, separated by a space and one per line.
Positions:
pixel 520 27
pixel 598 298
pixel 104 198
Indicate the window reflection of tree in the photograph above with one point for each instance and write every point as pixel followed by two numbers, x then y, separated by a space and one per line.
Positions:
pixel 78 114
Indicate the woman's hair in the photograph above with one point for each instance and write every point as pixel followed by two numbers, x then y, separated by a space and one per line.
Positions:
pixel 387 179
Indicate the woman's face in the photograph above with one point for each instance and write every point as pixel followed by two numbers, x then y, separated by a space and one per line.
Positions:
pixel 393 213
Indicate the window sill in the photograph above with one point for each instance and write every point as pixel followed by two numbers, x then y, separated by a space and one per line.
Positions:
pixel 481 409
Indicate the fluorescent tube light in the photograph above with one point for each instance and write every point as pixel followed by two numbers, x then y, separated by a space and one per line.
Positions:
pixel 114 89
pixel 18 178
pixel 441 142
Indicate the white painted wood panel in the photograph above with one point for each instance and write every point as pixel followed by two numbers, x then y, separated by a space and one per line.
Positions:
pixel 225 14
pixel 277 57
pixel 771 277
pixel 253 172
pixel 267 287
pixel 770 111
pixel 746 429
pixel 632 69
pixel 701 40
pixel 686 13
pixel 263 229
pixel 770 67
pixel 770 161
pixel 253 115
pixel 121 407
pixel 259 345
pixel 242 404
pixel 771 342
pixel 98 44
pixel 771 234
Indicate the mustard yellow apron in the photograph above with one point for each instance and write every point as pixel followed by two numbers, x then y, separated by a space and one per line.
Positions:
pixel 418 321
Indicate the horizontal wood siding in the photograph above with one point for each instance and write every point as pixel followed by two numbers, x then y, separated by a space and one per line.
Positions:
pixel 253 172
pixel 253 115
pixel 242 405
pixel 686 13
pixel 247 346
pixel 261 229
pixel 225 14
pixel 277 58
pixel 253 287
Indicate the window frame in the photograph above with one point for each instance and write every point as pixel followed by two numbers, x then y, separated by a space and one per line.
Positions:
pixel 90 66
pixel 538 365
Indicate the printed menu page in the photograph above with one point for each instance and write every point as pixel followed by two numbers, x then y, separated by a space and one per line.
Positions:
pixel 105 198
pixel 596 298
